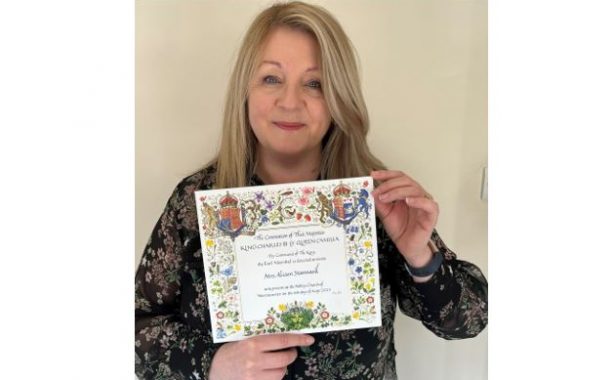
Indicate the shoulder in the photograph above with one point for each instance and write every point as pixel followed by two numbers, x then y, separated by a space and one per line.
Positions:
pixel 202 179
pixel 182 200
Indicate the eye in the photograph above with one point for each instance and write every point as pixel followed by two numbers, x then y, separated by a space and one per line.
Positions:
pixel 314 84
pixel 270 79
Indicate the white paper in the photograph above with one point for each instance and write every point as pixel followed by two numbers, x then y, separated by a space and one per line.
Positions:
pixel 293 257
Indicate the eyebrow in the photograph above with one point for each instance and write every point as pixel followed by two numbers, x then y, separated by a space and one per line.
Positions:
pixel 278 64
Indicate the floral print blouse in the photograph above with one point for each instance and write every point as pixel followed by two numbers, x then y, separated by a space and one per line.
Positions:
pixel 173 328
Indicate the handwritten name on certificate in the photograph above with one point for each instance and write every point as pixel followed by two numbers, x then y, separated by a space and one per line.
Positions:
pixel 300 257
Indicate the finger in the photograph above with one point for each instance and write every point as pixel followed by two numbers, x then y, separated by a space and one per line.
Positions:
pixel 278 359
pixel 394 183
pixel 430 207
pixel 383 175
pixel 382 209
pixel 273 374
pixel 275 342
pixel 400 193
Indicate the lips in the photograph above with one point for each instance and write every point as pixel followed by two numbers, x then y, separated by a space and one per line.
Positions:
pixel 288 126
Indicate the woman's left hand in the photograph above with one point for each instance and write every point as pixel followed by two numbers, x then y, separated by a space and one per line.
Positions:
pixel 408 213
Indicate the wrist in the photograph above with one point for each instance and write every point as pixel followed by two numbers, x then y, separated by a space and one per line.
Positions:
pixel 424 266
pixel 420 258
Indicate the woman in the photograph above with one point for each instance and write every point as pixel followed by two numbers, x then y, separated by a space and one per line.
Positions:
pixel 295 112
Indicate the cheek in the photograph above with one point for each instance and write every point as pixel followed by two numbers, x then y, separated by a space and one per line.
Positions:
pixel 322 114
pixel 252 109
pixel 260 107
pixel 257 110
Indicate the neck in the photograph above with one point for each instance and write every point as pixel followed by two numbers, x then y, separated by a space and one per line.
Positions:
pixel 273 168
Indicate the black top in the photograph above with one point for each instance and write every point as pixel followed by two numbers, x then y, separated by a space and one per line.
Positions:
pixel 173 328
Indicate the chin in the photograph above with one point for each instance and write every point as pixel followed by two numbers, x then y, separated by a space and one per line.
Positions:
pixel 291 152
pixel 289 149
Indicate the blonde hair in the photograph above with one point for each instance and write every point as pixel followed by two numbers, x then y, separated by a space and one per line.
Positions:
pixel 345 152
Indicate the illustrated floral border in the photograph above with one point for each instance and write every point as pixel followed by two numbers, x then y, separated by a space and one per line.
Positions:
pixel 290 206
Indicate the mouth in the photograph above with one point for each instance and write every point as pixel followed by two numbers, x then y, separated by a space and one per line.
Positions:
pixel 288 126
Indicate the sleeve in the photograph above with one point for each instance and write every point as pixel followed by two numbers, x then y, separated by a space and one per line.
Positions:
pixel 452 304
pixel 166 347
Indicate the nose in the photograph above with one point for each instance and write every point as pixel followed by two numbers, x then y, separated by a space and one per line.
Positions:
pixel 290 97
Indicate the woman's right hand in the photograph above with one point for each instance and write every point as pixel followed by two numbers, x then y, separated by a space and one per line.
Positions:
pixel 262 357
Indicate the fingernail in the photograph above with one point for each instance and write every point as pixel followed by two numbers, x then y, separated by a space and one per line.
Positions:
pixel 309 340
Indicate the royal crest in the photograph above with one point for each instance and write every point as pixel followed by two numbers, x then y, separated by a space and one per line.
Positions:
pixel 344 204
pixel 230 216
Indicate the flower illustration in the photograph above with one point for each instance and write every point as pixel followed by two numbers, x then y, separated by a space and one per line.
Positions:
pixel 307 190
pixel 359 270
pixel 312 371
pixel 368 244
pixel 209 243
pixel 269 320
pixel 355 315
pixel 327 348
pixel 308 218
pixel 351 262
pixel 324 315
pixel 370 299
pixel 297 318
pixel 237 327
pixel 303 201
pixel 282 307
pixel 220 315
pixel 183 345
pixel 309 304
pixel 202 198
pixel 227 271
pixel 365 183
pixel 299 216
pixel 355 349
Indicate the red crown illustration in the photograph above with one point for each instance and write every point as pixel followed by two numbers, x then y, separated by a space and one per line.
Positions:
pixel 341 190
pixel 228 201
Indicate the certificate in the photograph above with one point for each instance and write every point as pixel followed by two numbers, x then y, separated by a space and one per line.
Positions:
pixel 299 257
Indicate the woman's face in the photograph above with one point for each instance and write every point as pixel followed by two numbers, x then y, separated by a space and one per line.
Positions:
pixel 286 106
